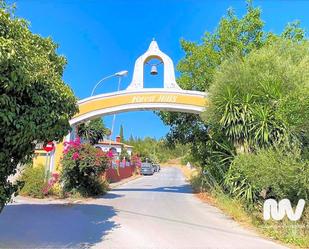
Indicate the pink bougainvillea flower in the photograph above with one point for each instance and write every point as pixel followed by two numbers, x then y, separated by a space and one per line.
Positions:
pixel 75 144
pixel 75 156
pixel 50 183
pixel 110 154
pixel 55 177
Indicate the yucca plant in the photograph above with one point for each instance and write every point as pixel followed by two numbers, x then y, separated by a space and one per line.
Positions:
pixel 239 187
pixel 220 153
pixel 236 117
pixel 266 129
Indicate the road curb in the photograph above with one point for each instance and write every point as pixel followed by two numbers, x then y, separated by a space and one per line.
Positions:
pixel 69 202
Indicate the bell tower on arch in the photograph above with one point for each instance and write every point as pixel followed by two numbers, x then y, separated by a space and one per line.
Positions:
pixel 153 52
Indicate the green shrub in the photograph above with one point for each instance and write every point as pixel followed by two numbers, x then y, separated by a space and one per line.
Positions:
pixel 34 181
pixel 262 100
pixel 36 104
pixel 56 190
pixel 82 169
pixel 159 151
pixel 271 173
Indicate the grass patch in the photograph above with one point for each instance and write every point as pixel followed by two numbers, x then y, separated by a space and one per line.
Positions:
pixel 294 234
pixel 232 207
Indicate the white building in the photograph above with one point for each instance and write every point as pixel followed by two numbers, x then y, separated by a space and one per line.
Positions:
pixel 114 146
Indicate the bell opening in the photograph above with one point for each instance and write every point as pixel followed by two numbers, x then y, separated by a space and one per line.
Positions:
pixel 153 73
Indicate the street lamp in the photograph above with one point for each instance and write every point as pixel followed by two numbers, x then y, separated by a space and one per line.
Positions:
pixel 118 74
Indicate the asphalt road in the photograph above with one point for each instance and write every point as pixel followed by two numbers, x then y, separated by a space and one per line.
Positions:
pixel 156 211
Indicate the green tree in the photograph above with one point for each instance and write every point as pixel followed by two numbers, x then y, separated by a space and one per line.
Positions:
pixel 262 100
pixel 233 37
pixel 131 138
pixel 35 103
pixel 124 153
pixel 121 134
pixel 92 131
pixel 157 150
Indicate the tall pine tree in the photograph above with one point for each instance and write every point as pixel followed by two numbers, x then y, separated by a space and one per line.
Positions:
pixel 121 134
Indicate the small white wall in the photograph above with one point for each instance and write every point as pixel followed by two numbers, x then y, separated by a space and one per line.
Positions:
pixel 106 147
pixel 129 150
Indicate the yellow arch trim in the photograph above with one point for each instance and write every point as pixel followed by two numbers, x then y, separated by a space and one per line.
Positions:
pixel 155 99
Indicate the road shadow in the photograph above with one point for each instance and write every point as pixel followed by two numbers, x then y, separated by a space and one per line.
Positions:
pixel 109 195
pixel 55 225
pixel 181 189
pixel 207 227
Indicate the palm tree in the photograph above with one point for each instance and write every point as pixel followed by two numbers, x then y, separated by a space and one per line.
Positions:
pixel 93 131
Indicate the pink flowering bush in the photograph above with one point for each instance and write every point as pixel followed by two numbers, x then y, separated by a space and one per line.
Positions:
pixel 51 182
pixel 82 168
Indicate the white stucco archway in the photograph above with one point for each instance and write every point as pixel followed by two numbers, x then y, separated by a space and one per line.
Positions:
pixel 169 72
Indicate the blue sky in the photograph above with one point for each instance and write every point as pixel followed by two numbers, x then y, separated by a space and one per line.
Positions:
pixel 101 37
